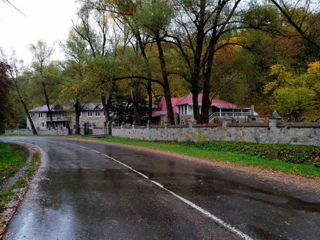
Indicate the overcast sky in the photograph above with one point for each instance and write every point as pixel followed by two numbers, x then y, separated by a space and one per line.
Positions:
pixel 48 20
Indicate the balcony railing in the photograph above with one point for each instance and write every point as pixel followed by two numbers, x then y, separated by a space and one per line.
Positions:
pixel 59 119
pixel 230 114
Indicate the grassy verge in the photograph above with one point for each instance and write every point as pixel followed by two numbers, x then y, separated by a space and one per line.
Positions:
pixel 5 197
pixel 218 153
pixel 11 160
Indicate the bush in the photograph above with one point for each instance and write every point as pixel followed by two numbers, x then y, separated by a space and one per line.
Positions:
pixel 307 155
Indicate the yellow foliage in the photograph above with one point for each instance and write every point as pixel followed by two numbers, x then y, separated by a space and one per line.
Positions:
pixel 280 72
pixel 269 87
pixel 314 67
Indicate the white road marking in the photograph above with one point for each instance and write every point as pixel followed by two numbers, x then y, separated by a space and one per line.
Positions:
pixel 125 165
pixel 191 204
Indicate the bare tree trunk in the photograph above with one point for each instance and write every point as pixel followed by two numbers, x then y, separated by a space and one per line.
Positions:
pixel 78 112
pixel 166 87
pixel 195 77
pixel 105 109
pixel 206 101
pixel 106 106
pixel 195 94
pixel 47 103
pixel 149 84
pixel 34 131
pixel 149 90
pixel 135 108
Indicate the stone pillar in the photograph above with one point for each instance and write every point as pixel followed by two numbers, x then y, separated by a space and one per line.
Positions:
pixel 148 124
pixel 252 110
pixel 274 120
pixel 226 120
pixel 121 125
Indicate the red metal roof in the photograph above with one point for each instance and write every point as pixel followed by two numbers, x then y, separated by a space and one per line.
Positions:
pixel 162 107
pixel 214 102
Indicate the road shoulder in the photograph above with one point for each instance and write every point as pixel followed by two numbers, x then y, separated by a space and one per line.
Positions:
pixel 15 187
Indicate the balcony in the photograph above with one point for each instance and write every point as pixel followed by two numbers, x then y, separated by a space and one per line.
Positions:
pixel 219 115
pixel 59 119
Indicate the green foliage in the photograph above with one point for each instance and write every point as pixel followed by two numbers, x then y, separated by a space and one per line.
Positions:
pixel 294 95
pixel 294 101
pixel 4 198
pixel 31 172
pixel 306 155
pixel 100 72
pixel 155 16
pixel 5 86
pixel 19 183
pixel 262 16
pixel 11 160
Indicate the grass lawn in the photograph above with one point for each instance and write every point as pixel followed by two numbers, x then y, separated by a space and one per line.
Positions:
pixel 283 158
pixel 11 160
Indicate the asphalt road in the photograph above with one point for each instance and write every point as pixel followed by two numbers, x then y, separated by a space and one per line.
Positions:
pixel 86 190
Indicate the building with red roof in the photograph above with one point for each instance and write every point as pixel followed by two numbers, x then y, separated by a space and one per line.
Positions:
pixel 183 109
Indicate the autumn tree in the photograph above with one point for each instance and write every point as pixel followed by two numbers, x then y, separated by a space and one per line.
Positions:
pixel 93 29
pixel 293 94
pixel 74 88
pixel 123 12
pixel 199 26
pixel 41 56
pixel 20 81
pixel 5 86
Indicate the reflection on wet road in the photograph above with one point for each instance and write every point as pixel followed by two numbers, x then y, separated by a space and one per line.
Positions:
pixel 81 194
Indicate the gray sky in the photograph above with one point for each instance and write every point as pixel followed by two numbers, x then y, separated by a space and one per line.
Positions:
pixel 48 20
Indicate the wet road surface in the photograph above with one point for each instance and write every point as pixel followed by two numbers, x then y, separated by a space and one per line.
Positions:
pixel 86 190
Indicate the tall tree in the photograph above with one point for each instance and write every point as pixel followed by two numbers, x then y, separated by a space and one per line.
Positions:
pixel 41 55
pixel 200 25
pixel 123 12
pixel 93 29
pixel 5 86
pixel 17 79
pixel 155 17
pixel 74 87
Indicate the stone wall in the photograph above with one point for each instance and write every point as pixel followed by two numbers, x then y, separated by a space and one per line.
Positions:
pixel 52 132
pixel 272 132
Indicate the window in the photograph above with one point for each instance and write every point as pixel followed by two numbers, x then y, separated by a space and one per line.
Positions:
pixel 97 114
pixel 186 109
pixel 40 115
pixel 89 114
pixel 42 124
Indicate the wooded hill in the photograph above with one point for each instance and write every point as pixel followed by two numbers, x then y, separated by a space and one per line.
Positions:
pixel 264 53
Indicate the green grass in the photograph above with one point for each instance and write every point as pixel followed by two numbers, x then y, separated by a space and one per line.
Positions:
pixel 35 158
pixel 198 150
pixel 11 160
pixel 31 171
pixel 6 196
pixel 19 183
